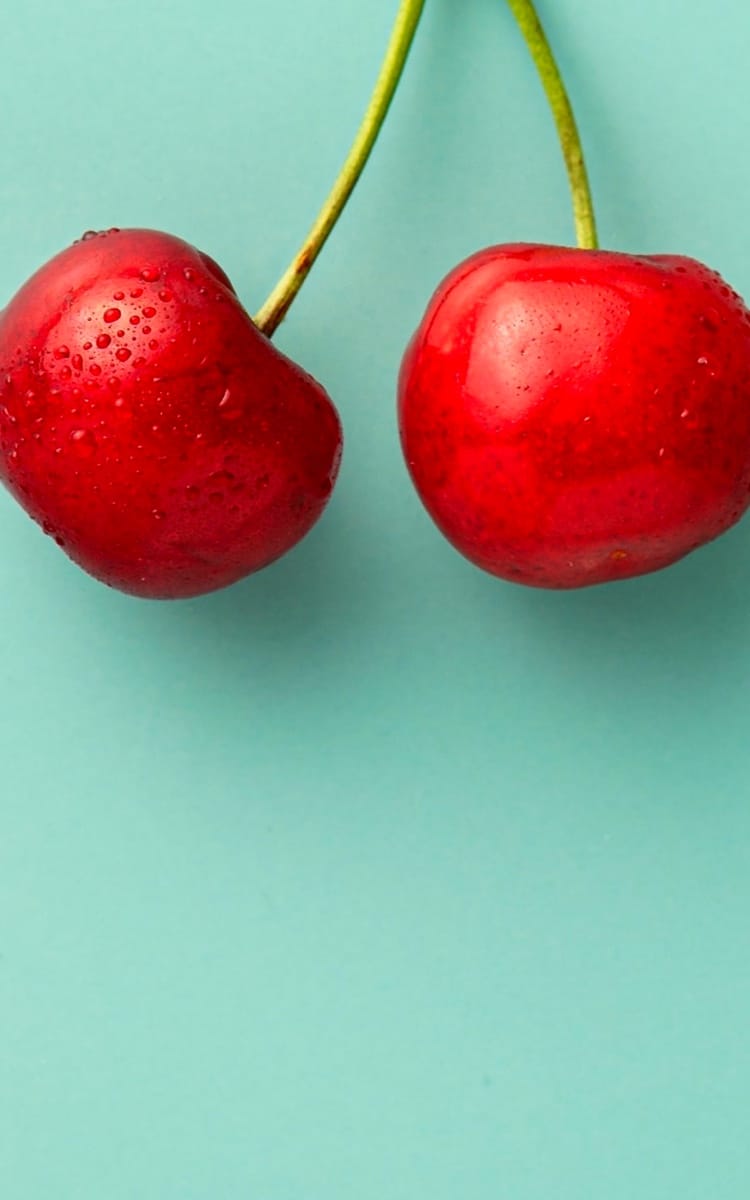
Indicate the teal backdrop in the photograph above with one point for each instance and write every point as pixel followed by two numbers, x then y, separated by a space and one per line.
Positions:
pixel 372 877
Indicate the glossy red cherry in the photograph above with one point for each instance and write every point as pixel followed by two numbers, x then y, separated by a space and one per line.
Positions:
pixel 148 425
pixel 571 417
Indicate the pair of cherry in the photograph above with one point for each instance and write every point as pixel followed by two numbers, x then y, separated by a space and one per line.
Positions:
pixel 568 416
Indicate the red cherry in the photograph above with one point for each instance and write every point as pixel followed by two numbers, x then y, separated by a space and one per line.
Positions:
pixel 148 425
pixel 571 417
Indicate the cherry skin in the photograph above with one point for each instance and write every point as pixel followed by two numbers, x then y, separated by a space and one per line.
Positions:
pixel 148 425
pixel 571 417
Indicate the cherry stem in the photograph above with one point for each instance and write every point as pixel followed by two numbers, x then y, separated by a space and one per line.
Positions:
pixel 530 25
pixel 270 316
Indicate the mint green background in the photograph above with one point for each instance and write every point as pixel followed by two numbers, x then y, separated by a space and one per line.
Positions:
pixel 372 877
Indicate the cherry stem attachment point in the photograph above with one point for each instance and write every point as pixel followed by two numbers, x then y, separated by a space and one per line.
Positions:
pixel 530 25
pixel 270 316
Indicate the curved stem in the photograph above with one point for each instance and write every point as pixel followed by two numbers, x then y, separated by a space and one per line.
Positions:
pixel 567 130
pixel 270 316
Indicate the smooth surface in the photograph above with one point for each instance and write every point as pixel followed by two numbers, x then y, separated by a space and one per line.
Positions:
pixel 575 417
pixel 372 876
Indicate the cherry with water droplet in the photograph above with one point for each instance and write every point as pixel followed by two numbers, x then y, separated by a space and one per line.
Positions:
pixel 131 448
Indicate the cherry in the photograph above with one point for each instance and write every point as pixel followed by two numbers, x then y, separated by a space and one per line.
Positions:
pixel 149 426
pixel 575 416
pixel 571 417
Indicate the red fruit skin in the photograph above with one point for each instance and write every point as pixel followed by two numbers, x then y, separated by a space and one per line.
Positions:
pixel 572 417
pixel 148 425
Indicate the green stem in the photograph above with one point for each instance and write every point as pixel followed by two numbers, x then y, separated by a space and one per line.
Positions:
pixel 567 131
pixel 270 316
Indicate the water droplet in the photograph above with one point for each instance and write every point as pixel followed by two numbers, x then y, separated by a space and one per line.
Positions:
pixel 119 296
pixel 702 361
pixel 662 452
pixel 135 319
pixel 153 344
pixel 88 235
pixel 103 341
pixel 165 295
pixel 65 372
pixel 77 362
pixel 136 292
pixel 62 352
pixel 84 440
pixel 685 413
pixel 111 315
pixel 189 275
pixel 710 319
pixel 228 407
pixel 95 369
pixel 139 361
pixel 149 311
pixel 150 274
pixel 123 354
pixel 146 329
pixel 157 514
pixel 87 345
